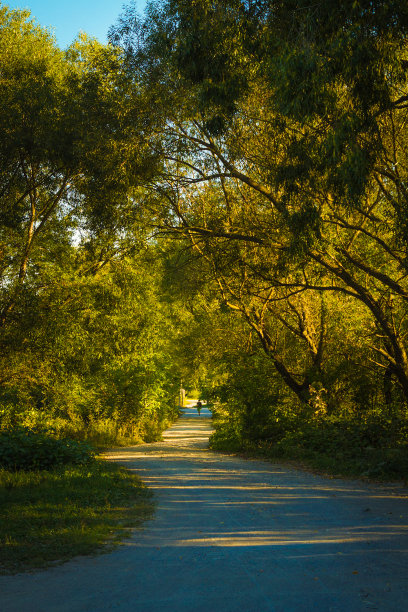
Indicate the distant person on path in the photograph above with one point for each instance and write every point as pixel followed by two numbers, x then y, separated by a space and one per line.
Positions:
pixel 199 406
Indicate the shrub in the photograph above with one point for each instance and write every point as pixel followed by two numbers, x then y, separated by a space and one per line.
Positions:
pixel 24 449
pixel 227 437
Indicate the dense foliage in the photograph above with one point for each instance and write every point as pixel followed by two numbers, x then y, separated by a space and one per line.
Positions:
pixel 285 172
pixel 220 195
pixel 24 449
pixel 85 336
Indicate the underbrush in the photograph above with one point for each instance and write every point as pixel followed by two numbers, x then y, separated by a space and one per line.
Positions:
pixel 52 516
pixel 376 447
pixel 107 433
pixel 24 449
pixel 101 433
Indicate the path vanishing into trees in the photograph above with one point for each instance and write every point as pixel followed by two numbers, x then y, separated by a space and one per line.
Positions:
pixel 236 535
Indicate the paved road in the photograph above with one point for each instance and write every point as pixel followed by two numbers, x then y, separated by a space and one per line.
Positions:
pixel 231 535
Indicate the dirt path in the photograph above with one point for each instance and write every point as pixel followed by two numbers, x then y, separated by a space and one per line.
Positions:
pixel 231 535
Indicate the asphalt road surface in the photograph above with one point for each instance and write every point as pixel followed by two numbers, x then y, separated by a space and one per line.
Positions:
pixel 235 535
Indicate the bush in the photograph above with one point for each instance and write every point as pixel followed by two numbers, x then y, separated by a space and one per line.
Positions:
pixel 24 449
pixel 347 436
pixel 226 441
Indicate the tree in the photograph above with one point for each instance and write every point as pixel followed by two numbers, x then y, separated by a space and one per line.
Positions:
pixel 81 335
pixel 307 159
pixel 68 147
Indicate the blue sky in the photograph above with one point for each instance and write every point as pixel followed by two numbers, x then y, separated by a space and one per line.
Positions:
pixel 68 17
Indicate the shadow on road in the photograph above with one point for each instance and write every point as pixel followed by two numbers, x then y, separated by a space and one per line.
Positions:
pixel 231 534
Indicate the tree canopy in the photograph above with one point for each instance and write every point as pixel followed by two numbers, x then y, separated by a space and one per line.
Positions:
pixel 233 172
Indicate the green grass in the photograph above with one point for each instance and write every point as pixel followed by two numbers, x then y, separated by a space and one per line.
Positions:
pixel 48 517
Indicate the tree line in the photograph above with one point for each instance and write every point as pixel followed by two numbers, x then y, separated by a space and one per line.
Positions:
pixel 255 151
pixel 85 332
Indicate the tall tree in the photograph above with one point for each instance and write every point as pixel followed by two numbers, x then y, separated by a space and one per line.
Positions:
pixel 67 142
pixel 81 318
pixel 296 115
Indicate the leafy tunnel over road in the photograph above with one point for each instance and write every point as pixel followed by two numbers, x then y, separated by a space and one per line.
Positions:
pixel 232 534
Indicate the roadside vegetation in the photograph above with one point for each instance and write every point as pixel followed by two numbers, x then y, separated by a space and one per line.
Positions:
pixel 57 500
pixel 51 516
pixel 374 449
